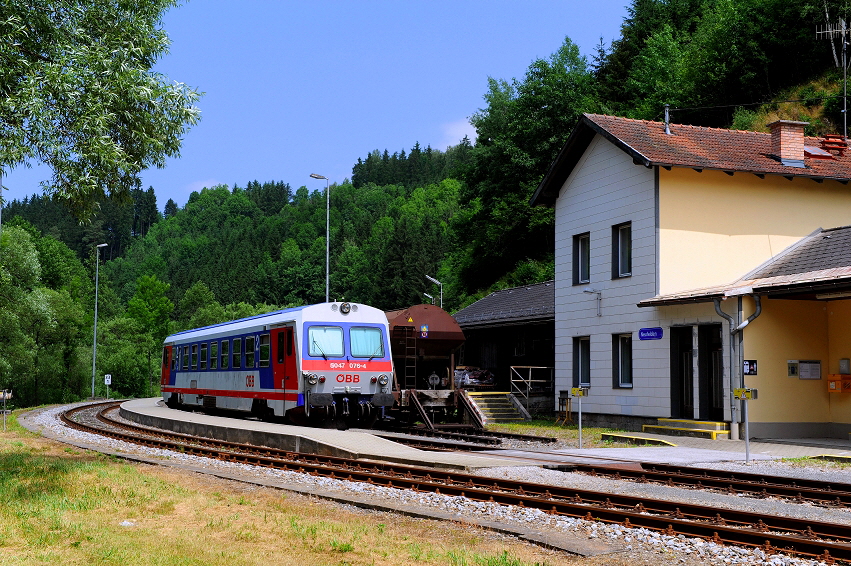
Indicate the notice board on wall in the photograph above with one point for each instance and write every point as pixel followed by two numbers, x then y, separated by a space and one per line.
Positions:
pixel 809 369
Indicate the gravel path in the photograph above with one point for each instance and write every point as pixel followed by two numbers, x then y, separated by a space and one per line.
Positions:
pixel 683 550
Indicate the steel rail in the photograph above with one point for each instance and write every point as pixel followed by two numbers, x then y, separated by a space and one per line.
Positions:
pixel 813 491
pixel 742 528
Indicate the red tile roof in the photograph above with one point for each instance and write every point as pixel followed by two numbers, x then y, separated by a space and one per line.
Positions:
pixel 686 146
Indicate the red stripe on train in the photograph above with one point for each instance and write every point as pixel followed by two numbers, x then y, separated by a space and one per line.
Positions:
pixel 343 365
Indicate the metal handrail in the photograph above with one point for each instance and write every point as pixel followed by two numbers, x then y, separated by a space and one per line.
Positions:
pixel 522 386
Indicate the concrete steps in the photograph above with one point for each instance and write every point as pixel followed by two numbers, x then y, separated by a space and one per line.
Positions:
pixel 496 407
pixel 688 427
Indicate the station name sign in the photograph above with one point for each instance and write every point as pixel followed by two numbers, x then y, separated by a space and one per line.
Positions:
pixel 650 333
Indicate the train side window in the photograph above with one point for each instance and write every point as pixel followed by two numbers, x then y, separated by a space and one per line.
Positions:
pixel 185 358
pixel 225 353
pixel 249 351
pixel 214 355
pixel 204 355
pixel 194 356
pixel 175 352
pixel 265 350
pixel 281 340
pixel 236 355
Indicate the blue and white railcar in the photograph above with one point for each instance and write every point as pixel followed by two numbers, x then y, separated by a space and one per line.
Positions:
pixel 328 360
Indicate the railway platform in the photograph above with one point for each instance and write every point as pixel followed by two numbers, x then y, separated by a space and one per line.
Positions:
pixel 364 445
pixel 328 442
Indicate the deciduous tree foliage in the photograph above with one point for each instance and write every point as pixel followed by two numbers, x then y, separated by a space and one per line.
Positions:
pixel 519 133
pixel 77 92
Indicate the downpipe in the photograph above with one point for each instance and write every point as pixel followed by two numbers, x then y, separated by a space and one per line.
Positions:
pixel 737 327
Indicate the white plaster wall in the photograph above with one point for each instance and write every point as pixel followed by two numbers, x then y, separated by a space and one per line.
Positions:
pixel 607 188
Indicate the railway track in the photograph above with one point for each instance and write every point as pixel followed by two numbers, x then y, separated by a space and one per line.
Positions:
pixel 806 538
pixel 798 490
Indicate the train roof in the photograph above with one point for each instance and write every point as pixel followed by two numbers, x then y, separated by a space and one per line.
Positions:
pixel 273 317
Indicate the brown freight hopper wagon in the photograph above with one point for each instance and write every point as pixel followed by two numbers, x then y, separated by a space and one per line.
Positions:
pixel 425 340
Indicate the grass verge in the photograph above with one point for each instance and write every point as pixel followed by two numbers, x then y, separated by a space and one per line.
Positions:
pixel 569 434
pixel 62 505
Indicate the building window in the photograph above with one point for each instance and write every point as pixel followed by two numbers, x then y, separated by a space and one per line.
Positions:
pixel 622 360
pixel 582 258
pixel 582 361
pixel 622 250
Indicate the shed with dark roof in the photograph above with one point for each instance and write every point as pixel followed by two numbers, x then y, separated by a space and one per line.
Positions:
pixel 513 328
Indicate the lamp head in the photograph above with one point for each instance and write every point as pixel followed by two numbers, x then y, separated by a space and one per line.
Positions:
pixel 317 176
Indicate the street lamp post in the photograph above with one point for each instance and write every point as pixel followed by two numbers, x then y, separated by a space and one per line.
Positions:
pixel 327 231
pixel 430 297
pixel 438 283
pixel 95 343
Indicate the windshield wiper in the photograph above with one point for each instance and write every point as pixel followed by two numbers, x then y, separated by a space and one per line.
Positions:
pixel 375 353
pixel 315 343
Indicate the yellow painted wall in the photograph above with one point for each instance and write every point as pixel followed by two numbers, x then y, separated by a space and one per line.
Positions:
pixel 839 325
pixel 790 330
pixel 714 228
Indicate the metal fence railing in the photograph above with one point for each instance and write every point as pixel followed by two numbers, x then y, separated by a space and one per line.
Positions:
pixel 527 381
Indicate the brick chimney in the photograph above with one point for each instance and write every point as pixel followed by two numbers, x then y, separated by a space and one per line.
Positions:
pixel 787 142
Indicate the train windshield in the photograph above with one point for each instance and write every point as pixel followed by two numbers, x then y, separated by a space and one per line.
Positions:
pixel 366 342
pixel 325 341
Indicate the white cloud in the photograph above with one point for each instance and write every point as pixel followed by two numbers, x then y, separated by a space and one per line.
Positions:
pixel 454 132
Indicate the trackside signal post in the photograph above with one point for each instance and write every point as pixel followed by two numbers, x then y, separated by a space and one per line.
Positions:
pixel 579 393
pixel 107 379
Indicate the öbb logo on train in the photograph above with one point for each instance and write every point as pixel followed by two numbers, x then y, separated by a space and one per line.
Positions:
pixel 348 378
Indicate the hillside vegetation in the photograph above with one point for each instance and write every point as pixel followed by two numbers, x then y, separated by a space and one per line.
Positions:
pixel 460 215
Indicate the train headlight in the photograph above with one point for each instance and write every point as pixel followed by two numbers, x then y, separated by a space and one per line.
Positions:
pixel 383 379
pixel 345 308
pixel 321 379
pixel 311 378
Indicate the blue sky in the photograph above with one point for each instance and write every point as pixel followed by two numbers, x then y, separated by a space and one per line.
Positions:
pixel 297 87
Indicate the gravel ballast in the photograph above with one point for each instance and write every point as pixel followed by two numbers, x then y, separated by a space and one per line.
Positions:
pixel 679 549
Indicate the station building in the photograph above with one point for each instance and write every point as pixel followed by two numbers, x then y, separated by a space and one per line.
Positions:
pixel 694 261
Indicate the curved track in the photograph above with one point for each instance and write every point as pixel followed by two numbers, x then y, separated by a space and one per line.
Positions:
pixel 807 538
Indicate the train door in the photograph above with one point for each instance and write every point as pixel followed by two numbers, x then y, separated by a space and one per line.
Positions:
pixel 284 368
pixel 165 370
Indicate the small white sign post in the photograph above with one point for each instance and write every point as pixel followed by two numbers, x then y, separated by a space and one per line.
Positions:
pixel 107 379
pixel 6 394
pixel 579 392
